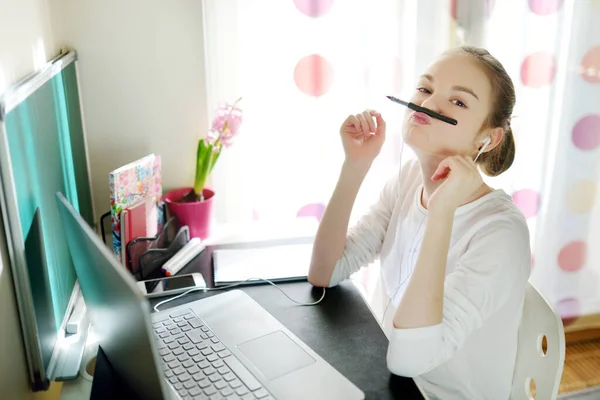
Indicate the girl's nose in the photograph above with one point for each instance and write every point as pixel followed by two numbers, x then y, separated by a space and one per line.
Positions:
pixel 432 103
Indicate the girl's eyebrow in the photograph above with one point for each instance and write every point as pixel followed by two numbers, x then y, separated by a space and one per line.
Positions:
pixel 466 90
pixel 456 88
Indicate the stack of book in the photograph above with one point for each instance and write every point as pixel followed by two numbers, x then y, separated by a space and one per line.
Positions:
pixel 136 202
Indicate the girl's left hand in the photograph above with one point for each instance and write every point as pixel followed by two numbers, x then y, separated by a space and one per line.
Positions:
pixel 461 179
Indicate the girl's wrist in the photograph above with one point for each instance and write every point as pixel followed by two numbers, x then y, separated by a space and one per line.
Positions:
pixel 441 212
pixel 357 167
pixel 351 177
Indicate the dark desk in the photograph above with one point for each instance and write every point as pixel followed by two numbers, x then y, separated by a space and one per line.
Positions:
pixel 341 329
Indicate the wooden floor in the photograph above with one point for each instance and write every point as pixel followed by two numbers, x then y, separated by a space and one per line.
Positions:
pixel 582 366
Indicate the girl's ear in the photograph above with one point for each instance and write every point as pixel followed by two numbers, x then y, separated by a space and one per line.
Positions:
pixel 496 135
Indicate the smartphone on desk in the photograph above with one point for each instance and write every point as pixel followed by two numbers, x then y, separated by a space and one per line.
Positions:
pixel 171 285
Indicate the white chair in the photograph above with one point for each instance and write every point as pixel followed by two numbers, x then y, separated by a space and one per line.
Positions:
pixel 539 320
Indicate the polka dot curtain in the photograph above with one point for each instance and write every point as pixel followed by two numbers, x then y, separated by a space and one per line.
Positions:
pixel 552 50
pixel 301 67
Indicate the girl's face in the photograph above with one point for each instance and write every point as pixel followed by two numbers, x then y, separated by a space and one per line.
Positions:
pixel 454 86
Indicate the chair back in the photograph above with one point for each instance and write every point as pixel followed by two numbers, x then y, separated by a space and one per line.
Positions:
pixel 540 350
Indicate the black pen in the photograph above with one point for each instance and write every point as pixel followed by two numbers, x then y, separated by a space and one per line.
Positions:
pixel 427 111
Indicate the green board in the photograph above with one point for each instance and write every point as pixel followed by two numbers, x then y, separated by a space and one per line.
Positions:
pixel 45 142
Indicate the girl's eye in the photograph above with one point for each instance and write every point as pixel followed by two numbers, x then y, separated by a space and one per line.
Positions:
pixel 424 90
pixel 459 103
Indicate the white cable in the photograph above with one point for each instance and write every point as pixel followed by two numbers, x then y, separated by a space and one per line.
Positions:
pixel 412 247
pixel 400 272
pixel 205 289
pixel 478 154
pixel 392 299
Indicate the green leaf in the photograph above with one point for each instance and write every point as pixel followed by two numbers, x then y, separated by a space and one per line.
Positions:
pixel 202 159
pixel 206 158
pixel 215 157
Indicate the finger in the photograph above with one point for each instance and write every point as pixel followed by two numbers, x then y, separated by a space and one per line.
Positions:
pixel 381 126
pixel 363 124
pixel 465 161
pixel 461 163
pixel 441 171
pixel 444 168
pixel 353 121
pixel 369 118
pixel 468 163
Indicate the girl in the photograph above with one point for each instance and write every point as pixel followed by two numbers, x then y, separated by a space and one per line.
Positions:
pixel 455 255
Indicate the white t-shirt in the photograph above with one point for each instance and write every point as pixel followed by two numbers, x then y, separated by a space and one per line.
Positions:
pixel 471 354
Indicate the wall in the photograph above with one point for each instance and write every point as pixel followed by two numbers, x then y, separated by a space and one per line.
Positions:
pixel 143 88
pixel 25 43
pixel 142 83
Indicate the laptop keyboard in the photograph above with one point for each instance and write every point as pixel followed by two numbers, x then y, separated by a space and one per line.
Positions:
pixel 198 365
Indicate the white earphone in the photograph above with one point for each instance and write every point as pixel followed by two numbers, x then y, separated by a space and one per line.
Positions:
pixel 485 143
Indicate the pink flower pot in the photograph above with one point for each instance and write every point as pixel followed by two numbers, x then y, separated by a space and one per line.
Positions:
pixel 197 215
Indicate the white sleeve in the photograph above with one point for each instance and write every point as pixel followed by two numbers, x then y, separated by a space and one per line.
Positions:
pixel 495 267
pixel 365 238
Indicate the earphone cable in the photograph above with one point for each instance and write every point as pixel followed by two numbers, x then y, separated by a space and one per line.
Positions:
pixel 205 289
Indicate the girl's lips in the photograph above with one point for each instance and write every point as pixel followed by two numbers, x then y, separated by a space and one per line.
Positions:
pixel 421 118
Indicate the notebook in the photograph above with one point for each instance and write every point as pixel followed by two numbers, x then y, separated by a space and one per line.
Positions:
pixel 138 220
pixel 142 221
pixel 128 185
pixel 277 263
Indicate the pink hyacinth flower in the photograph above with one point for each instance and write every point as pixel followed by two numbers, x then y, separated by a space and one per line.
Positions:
pixel 226 123
pixel 212 136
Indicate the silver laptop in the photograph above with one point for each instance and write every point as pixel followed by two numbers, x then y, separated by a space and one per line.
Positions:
pixel 222 347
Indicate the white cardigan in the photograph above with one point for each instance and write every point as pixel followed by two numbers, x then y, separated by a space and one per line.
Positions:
pixel 471 354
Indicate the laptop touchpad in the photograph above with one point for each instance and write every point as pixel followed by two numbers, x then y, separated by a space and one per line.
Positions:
pixel 275 355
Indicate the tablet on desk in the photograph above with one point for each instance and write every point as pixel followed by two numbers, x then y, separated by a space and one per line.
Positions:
pixel 282 263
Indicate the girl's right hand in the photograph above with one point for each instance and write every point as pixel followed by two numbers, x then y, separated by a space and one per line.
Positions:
pixel 363 136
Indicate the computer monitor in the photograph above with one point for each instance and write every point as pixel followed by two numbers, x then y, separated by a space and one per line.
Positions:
pixel 43 150
pixel 119 312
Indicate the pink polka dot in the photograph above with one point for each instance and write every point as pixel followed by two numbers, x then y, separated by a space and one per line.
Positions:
pixel 313 8
pixel 313 75
pixel 544 7
pixel 532 261
pixel 528 201
pixel 590 65
pixel 315 210
pixel 453 6
pixel 572 256
pixel 453 9
pixel 569 309
pixel 586 132
pixel 255 214
pixel 538 69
